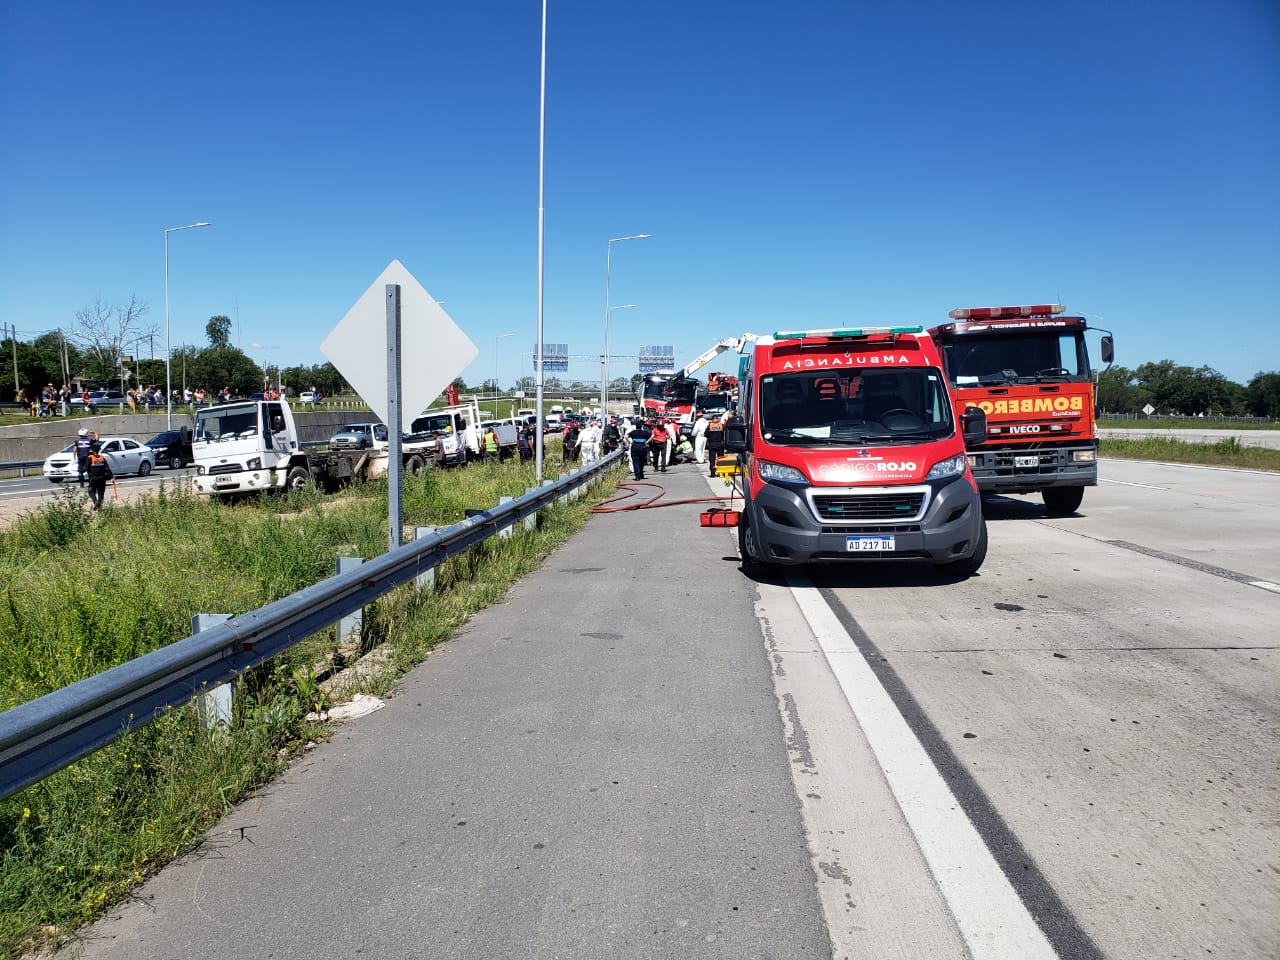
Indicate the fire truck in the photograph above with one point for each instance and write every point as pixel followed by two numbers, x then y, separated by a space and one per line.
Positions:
pixel 853 449
pixel 1027 368
pixel 673 393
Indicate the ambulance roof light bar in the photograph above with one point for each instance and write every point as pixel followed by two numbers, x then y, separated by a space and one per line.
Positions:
pixel 991 313
pixel 834 332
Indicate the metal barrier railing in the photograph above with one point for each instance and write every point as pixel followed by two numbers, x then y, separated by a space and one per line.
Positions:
pixel 44 735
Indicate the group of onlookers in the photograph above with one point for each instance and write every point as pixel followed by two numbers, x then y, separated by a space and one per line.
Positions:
pixel 57 401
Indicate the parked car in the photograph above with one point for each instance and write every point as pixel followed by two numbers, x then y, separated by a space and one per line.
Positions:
pixel 101 398
pixel 359 436
pixel 172 448
pixel 309 396
pixel 124 455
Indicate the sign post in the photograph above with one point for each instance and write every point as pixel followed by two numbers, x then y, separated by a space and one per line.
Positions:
pixel 395 418
pixel 397 325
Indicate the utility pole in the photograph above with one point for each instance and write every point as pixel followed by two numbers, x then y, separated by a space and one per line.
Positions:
pixel 16 385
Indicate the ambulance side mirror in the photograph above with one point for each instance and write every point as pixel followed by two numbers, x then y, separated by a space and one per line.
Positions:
pixel 735 437
pixel 974 425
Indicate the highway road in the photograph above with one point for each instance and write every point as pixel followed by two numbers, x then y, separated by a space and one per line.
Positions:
pixel 643 753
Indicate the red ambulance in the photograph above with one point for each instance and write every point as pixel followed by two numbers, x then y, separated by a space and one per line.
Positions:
pixel 851 450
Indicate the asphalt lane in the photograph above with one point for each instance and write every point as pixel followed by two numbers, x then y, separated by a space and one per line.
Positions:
pixel 1107 716
pixel 594 768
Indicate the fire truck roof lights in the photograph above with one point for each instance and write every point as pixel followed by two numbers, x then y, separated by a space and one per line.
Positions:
pixel 842 332
pixel 991 313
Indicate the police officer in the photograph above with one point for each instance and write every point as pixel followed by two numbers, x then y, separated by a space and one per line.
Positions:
pixel 639 448
pixel 99 473
pixel 83 443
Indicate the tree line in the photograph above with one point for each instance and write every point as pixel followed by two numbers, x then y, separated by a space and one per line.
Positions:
pixel 108 345
pixel 1191 391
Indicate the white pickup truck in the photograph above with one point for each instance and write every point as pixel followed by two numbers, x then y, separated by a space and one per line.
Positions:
pixel 459 428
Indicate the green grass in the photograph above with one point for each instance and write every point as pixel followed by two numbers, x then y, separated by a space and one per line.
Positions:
pixel 82 592
pixel 1228 452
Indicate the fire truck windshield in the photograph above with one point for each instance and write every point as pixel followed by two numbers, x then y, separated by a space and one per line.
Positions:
pixel 988 359
pixel 660 389
pixel 903 405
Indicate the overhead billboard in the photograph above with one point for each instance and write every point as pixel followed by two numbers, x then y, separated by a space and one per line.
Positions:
pixel 655 357
pixel 555 357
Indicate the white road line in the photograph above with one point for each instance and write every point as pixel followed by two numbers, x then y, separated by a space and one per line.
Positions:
pixel 1265 585
pixel 1126 483
pixel 993 921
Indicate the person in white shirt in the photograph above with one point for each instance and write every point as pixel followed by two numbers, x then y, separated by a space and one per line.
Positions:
pixel 700 438
pixel 589 442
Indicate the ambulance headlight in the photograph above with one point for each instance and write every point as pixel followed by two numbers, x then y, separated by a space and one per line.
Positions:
pixel 778 473
pixel 950 467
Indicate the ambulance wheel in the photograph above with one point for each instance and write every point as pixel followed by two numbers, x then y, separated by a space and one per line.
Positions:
pixel 1062 501
pixel 297 479
pixel 970 564
pixel 748 549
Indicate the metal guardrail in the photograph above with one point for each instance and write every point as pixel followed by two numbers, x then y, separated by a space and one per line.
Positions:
pixel 44 735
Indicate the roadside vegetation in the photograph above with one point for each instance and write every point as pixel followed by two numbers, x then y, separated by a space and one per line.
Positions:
pixel 83 592
pixel 1228 452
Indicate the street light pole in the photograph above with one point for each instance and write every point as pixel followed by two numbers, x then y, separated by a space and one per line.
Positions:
pixel 604 358
pixel 168 352
pixel 501 336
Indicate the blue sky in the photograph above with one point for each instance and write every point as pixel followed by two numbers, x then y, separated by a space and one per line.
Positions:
pixel 796 164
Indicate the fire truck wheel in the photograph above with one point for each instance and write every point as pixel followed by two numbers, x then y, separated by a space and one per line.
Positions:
pixel 297 479
pixel 1061 501
pixel 970 564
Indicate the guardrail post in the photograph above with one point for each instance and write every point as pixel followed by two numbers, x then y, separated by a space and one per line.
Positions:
pixel 352 625
pixel 505 532
pixel 427 579
pixel 213 705
pixel 531 521
pixel 564 497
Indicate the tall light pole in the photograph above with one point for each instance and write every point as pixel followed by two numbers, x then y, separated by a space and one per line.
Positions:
pixel 501 336
pixel 604 358
pixel 168 353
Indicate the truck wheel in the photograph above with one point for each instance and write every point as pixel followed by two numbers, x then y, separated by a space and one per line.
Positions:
pixel 970 564
pixel 298 478
pixel 748 549
pixel 1061 501
pixel 415 465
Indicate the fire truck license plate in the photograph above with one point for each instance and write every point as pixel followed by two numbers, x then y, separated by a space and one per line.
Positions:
pixel 1026 461
pixel 862 544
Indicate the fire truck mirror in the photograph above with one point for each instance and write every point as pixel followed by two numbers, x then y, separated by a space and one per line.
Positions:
pixel 735 437
pixel 1108 350
pixel 974 425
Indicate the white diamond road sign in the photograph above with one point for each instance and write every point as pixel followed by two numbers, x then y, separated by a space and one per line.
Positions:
pixel 433 350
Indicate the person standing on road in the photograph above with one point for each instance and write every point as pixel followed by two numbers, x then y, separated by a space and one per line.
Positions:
pixel 715 441
pixel 84 443
pixel 639 440
pixel 700 438
pixel 99 474
pixel 658 442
